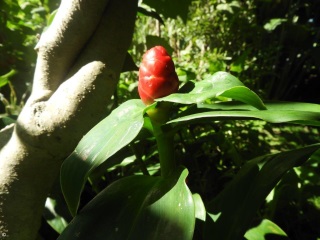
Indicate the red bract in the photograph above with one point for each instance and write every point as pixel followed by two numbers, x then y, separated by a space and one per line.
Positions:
pixel 157 75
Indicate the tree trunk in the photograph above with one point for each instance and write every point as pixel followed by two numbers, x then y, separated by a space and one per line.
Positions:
pixel 80 57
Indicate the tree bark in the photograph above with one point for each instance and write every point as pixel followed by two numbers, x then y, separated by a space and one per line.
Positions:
pixel 79 61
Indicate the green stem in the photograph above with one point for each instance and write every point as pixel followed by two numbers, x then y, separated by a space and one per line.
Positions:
pixel 165 143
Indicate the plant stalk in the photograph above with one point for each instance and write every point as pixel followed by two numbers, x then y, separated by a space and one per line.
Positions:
pixel 165 143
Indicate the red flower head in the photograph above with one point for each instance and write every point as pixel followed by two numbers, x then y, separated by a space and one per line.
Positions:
pixel 157 75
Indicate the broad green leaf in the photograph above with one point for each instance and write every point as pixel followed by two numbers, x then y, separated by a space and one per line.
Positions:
pixel 238 202
pixel 105 139
pixel 244 95
pixel 270 105
pixel 301 110
pixel 265 227
pixel 137 207
pixel 266 115
pixel 218 84
pixel 294 106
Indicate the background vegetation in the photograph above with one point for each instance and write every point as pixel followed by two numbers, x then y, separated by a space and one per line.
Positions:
pixel 271 46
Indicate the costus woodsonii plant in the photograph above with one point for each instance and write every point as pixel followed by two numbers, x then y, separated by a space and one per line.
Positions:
pixel 154 201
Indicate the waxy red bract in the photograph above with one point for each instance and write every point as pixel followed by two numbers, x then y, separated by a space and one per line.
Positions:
pixel 157 76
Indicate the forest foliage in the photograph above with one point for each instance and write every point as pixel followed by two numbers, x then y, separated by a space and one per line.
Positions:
pixel 272 47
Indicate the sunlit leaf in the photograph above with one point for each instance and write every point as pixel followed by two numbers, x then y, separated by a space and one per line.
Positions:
pixel 51 17
pixel 270 105
pixel 265 227
pixel 218 84
pixel 293 112
pixel 273 116
pixel 244 95
pixel 247 191
pixel 53 218
pixel 105 139
pixel 137 207
pixel 228 6
pixel 274 23
pixel 4 79
pixel 200 210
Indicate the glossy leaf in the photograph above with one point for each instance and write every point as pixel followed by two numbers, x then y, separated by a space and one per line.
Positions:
pixel 296 112
pixel 137 207
pixel 266 227
pixel 200 210
pixel 247 191
pixel 218 84
pixel 272 116
pixel 245 95
pixel 270 105
pixel 105 139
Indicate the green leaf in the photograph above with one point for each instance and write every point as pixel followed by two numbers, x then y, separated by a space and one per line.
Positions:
pixel 4 79
pixel 129 64
pixel 266 115
pixel 293 112
pixel 200 210
pixel 56 212
pixel 152 41
pixel 169 8
pixel 218 84
pixel 264 228
pixel 56 221
pixel 270 105
pixel 228 6
pixel 238 202
pixel 51 17
pixel 5 120
pixel 150 13
pixel 274 23
pixel 137 207
pixel 105 139
pixel 244 95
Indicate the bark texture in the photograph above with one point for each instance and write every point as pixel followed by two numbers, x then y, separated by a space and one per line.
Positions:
pixel 79 61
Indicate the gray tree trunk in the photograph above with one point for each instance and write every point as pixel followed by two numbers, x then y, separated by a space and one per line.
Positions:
pixel 79 61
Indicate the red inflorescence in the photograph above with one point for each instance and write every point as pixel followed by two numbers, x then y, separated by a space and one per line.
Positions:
pixel 157 75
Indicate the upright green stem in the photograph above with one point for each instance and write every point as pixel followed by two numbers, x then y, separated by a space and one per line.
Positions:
pixel 166 152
